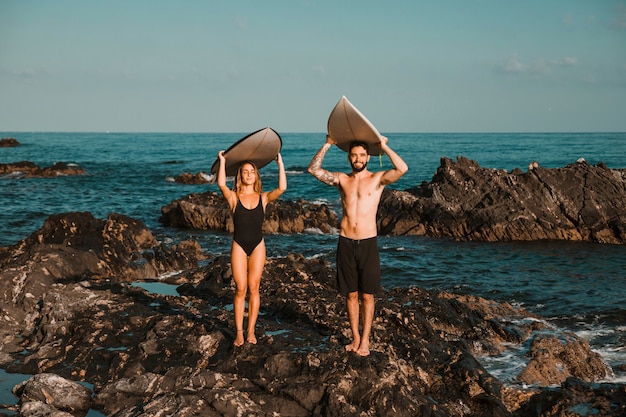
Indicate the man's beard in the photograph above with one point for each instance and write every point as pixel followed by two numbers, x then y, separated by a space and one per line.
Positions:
pixel 355 169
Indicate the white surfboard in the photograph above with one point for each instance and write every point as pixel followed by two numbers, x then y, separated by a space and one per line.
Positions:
pixel 346 123
pixel 260 147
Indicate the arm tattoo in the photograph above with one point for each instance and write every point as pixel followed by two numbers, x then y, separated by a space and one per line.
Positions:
pixel 316 163
pixel 328 178
pixel 315 167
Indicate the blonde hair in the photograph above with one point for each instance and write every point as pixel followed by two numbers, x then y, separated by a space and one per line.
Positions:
pixel 258 187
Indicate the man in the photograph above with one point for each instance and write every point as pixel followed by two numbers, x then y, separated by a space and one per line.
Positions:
pixel 358 264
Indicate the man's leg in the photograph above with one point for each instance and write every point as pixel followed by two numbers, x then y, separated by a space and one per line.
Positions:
pixel 352 304
pixel 368 318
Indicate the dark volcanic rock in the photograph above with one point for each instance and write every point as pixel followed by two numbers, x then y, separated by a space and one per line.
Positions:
pixel 8 142
pixel 77 245
pixel 152 355
pixel 210 211
pixel 26 169
pixel 187 178
pixel 578 202
pixel 578 398
pixel 47 394
pixel 74 247
pixel 553 361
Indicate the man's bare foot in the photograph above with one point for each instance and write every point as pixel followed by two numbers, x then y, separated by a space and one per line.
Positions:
pixel 239 338
pixel 363 351
pixel 251 338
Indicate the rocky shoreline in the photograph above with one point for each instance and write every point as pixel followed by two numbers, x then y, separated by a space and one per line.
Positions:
pixel 70 313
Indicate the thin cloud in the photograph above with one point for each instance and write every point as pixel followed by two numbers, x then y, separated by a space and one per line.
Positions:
pixel 570 61
pixel 319 70
pixel 619 18
pixel 568 19
pixel 513 65
pixel 589 79
pixel 241 23
pixel 25 72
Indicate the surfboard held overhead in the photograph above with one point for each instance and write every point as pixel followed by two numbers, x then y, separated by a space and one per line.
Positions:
pixel 260 147
pixel 346 123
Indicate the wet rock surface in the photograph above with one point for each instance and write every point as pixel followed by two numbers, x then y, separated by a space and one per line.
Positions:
pixel 53 394
pixel 578 202
pixel 26 169
pixel 68 309
pixel 209 210
pixel 197 178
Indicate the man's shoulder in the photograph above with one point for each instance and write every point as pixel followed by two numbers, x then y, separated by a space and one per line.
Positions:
pixel 376 174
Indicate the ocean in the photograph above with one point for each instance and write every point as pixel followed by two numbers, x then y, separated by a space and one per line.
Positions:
pixel 580 287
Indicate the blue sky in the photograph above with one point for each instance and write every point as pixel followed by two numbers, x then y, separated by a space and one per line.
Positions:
pixel 237 66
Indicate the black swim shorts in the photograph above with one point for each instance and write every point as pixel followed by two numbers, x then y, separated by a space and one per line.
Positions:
pixel 358 265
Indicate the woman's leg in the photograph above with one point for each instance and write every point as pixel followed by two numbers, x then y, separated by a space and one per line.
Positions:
pixel 256 263
pixel 239 264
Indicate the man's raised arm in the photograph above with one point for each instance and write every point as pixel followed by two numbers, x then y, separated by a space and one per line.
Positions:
pixel 399 166
pixel 315 166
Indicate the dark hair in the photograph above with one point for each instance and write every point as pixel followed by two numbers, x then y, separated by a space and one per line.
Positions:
pixel 364 145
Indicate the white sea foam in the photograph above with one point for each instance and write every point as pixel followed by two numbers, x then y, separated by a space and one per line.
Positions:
pixel 395 248
pixel 591 333
pixel 507 365
pixel 320 201
pixel 318 231
pixel 313 231
pixel 207 177
pixel 616 380
pixel 169 274
pixel 13 175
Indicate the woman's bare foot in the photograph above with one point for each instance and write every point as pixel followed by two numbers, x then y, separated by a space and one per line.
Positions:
pixel 239 338
pixel 251 338
pixel 353 347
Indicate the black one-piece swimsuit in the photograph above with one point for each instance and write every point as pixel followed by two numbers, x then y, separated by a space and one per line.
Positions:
pixel 248 225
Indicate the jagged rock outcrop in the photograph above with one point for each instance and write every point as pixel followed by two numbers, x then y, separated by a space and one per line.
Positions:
pixel 579 202
pixel 554 359
pixel 150 354
pixel 209 210
pixel 26 169
pixel 77 246
pixel 578 398
pixel 50 394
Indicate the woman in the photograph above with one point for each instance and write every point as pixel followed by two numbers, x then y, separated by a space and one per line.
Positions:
pixel 247 204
